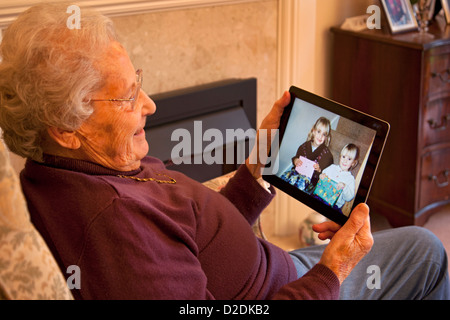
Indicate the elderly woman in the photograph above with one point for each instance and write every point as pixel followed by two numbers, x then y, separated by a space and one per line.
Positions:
pixel 71 102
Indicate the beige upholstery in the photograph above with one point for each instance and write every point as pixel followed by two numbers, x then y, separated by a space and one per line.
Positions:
pixel 27 268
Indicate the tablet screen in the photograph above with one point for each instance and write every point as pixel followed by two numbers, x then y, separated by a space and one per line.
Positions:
pixel 326 154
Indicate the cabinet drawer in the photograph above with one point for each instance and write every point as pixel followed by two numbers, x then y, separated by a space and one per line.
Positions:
pixel 439 73
pixel 435 176
pixel 436 121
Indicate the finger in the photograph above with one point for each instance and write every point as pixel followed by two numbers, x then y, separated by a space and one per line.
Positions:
pixel 326 235
pixel 326 226
pixel 284 100
pixel 279 105
pixel 272 119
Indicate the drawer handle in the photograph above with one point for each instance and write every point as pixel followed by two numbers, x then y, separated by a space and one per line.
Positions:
pixel 435 179
pixel 444 76
pixel 439 126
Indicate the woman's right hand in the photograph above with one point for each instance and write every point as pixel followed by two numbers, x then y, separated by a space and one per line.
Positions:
pixel 348 244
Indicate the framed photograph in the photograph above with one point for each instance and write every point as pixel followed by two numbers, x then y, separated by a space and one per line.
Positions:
pixel 400 15
pixel 446 8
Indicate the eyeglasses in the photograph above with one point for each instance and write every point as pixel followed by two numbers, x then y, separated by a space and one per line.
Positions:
pixel 133 99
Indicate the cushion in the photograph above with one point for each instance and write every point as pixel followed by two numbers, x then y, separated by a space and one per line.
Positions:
pixel 27 268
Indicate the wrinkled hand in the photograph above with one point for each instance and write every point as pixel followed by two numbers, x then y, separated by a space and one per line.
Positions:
pixel 349 243
pixel 271 121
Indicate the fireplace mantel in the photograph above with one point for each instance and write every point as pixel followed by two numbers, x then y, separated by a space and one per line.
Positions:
pixel 10 9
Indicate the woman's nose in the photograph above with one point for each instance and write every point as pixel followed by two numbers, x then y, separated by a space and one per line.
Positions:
pixel 148 106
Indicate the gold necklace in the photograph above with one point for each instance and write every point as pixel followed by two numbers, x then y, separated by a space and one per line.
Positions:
pixel 171 181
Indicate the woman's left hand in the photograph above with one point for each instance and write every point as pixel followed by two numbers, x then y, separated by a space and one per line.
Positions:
pixel 270 122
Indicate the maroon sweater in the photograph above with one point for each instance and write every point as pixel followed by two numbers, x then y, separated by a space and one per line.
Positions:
pixel 144 240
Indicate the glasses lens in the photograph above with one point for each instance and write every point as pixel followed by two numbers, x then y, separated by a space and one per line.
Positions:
pixel 139 78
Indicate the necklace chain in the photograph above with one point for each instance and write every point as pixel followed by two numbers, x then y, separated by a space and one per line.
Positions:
pixel 171 181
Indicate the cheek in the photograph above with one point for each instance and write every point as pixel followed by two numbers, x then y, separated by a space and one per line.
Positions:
pixel 121 131
pixel 112 134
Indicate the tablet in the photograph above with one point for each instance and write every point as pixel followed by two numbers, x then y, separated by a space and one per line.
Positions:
pixel 326 155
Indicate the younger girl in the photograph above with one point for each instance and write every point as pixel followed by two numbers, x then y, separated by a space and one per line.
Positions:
pixel 314 149
pixel 341 173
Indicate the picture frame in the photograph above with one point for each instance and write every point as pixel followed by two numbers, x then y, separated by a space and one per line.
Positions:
pixel 399 15
pixel 446 8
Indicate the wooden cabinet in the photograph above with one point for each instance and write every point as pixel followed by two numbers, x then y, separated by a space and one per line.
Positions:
pixel 406 82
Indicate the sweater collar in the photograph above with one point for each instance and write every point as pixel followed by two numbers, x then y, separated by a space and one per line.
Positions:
pixel 83 166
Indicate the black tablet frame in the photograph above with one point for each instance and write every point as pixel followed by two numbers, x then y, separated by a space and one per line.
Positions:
pixel 379 126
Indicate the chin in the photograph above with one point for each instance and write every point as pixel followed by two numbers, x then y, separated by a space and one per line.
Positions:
pixel 142 152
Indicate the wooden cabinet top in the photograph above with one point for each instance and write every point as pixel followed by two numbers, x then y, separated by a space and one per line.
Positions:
pixel 438 28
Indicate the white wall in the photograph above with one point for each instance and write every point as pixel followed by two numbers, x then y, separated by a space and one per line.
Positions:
pixel 331 13
pixel 310 27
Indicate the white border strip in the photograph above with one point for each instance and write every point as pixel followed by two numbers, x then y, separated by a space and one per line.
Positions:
pixel 8 13
pixel 296 31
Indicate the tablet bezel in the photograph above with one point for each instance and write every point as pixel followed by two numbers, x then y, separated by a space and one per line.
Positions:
pixel 380 127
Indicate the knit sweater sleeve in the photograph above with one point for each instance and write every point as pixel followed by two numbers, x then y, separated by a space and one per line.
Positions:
pixel 247 195
pixel 250 198
pixel 319 283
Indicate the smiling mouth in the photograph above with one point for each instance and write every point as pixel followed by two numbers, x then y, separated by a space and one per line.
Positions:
pixel 139 132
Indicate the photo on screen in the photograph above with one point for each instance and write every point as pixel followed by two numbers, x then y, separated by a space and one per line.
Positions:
pixel 324 155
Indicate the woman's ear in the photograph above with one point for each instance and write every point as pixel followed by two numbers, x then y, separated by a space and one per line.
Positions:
pixel 65 138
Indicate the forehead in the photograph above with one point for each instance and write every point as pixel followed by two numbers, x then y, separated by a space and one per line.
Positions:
pixel 349 153
pixel 321 126
pixel 116 68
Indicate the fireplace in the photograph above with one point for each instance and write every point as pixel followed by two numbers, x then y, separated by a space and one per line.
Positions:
pixel 204 131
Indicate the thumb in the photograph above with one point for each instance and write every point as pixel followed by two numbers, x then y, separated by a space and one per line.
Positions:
pixel 358 219
pixel 281 103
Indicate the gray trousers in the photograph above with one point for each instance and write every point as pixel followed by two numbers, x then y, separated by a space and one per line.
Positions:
pixel 404 264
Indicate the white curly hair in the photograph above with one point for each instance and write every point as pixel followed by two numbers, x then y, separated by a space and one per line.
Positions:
pixel 47 74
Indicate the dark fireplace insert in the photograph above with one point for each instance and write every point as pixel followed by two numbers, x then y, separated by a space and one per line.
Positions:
pixel 204 131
